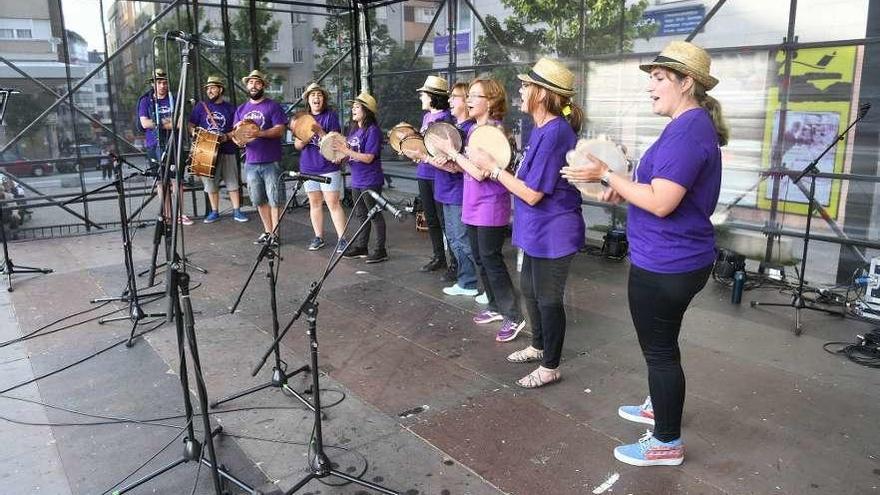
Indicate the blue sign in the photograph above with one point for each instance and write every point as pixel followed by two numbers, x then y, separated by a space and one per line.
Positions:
pixel 676 21
pixel 462 44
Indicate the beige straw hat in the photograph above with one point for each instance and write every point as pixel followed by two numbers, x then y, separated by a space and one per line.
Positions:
pixel 551 74
pixel 367 100
pixel 436 85
pixel 686 58
pixel 315 87
pixel 215 81
pixel 255 74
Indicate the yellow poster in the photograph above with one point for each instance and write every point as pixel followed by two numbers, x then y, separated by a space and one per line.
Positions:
pixel 818 109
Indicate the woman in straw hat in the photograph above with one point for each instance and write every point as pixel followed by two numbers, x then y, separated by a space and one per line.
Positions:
pixel 671 240
pixel 363 150
pixel 311 162
pixel 547 222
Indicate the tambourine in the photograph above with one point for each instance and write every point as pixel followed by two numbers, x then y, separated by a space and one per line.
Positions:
pixel 328 143
pixel 414 143
pixel 303 126
pixel 444 131
pixel 241 135
pixel 493 141
pixel 398 133
pixel 603 149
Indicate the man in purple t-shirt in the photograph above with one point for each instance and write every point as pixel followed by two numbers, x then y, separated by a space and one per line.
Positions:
pixel 215 116
pixel 263 152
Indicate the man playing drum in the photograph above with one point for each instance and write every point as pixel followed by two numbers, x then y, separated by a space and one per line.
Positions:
pixel 216 115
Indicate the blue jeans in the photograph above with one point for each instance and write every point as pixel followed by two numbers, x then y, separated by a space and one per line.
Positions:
pixel 457 237
pixel 263 184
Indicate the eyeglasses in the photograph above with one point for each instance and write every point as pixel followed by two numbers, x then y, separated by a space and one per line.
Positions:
pixel 476 96
pixel 453 95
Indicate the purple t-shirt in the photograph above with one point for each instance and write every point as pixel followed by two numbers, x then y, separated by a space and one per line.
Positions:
pixel 311 161
pixel 688 154
pixel 369 140
pixel 267 114
pixel 146 109
pixel 486 203
pixel 220 122
pixel 426 170
pixel 449 186
pixel 554 226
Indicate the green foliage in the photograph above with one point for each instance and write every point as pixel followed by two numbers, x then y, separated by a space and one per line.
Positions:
pixel 397 97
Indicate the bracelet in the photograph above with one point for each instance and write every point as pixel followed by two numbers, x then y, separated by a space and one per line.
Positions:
pixel 496 174
pixel 606 178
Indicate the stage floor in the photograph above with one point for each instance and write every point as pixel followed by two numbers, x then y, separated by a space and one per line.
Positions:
pixel 423 400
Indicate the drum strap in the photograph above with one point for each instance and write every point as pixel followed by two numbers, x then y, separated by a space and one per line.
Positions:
pixel 210 115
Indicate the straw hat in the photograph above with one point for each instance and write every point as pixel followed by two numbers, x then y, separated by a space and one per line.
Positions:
pixel 255 74
pixel 367 100
pixel 436 85
pixel 215 81
pixel 686 58
pixel 158 75
pixel 315 87
pixel 551 74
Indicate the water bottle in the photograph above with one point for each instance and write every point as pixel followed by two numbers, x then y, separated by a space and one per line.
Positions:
pixel 739 280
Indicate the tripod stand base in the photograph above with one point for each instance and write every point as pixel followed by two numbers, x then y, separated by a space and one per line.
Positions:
pixel 10 269
pixel 798 304
pixel 320 467
pixel 279 380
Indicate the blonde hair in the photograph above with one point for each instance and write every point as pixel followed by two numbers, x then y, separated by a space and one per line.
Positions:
pixel 556 104
pixel 710 104
pixel 495 96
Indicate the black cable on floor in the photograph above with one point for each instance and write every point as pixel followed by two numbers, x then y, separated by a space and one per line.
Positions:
pixel 864 352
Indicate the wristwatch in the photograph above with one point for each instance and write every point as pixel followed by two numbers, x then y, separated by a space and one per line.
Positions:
pixel 605 178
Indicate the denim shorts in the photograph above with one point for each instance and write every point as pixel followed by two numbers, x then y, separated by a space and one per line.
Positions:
pixel 335 184
pixel 264 185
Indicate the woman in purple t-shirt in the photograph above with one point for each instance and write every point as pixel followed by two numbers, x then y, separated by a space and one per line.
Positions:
pixel 362 152
pixel 486 212
pixel 547 221
pixel 311 162
pixel 672 242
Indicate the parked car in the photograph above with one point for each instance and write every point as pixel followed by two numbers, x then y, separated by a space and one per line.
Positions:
pixel 12 163
pixel 89 159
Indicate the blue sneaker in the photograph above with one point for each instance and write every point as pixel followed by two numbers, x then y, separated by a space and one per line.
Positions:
pixel 211 217
pixel 239 216
pixel 316 244
pixel 340 247
pixel 649 451
pixel 640 414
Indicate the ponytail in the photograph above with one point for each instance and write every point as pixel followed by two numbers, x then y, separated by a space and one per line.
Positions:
pixel 713 106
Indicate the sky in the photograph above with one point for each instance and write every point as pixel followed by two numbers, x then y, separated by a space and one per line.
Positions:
pixel 84 17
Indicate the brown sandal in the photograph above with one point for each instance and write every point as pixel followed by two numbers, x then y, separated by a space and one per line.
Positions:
pixel 526 355
pixel 540 377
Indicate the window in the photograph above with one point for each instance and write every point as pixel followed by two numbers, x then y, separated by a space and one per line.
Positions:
pixel 424 14
pixel 298 91
pixel 381 13
pixel 297 55
pixel 275 45
pixel 101 101
pixel 7 34
pixel 275 87
pixel 23 34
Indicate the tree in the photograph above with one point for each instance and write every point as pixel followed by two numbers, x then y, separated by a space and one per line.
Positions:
pixel 398 101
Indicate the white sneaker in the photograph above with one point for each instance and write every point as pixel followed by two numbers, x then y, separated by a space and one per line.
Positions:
pixel 482 298
pixel 455 290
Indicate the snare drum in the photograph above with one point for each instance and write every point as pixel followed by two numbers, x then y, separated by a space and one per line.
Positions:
pixel 203 154
pixel 603 149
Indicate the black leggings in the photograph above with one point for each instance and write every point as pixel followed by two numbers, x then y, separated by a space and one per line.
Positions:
pixel 542 282
pixel 657 302
pixel 377 224
pixel 433 217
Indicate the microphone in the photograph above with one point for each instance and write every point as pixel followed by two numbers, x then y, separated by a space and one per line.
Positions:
pixel 196 39
pixel 11 91
pixel 304 177
pixel 386 205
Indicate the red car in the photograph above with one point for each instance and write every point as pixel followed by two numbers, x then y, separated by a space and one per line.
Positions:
pixel 12 163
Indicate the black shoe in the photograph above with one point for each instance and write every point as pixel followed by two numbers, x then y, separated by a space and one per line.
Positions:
pixel 378 256
pixel 353 252
pixel 450 275
pixel 263 238
pixel 433 265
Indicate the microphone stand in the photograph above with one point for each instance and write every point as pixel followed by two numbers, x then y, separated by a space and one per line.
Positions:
pixel 320 465
pixel 10 268
pixel 798 302
pixel 130 294
pixel 180 310
pixel 279 371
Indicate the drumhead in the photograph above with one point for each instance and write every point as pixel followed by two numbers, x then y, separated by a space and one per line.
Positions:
pixel 327 143
pixel 493 141
pixel 414 142
pixel 397 134
pixel 302 125
pixel 604 150
pixel 445 131
pixel 245 127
